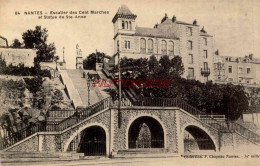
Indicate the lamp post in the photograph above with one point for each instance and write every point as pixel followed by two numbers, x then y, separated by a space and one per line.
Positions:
pixel 88 84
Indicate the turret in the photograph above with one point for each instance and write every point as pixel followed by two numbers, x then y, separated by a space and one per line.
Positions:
pixel 124 21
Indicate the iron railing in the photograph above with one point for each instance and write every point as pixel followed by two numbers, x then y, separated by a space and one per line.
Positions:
pixel 83 113
pixel 78 116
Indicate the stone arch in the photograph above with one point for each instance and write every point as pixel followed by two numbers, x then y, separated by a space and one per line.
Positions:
pixel 200 127
pixel 145 115
pixel 85 127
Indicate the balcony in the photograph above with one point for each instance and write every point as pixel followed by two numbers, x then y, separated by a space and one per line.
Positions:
pixel 164 52
pixel 205 72
pixel 142 50
pixel 150 50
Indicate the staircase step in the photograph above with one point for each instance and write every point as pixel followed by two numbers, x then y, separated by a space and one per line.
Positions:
pixel 144 153
pixel 7 157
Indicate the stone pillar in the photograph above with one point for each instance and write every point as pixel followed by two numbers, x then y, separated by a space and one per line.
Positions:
pixel 40 139
pixel 112 130
pixel 180 145
pixel 227 141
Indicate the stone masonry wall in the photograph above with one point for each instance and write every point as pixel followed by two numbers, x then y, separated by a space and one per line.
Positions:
pixel 30 145
pixel 167 117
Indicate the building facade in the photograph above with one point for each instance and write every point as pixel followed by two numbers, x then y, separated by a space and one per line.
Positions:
pixel 237 70
pixel 171 37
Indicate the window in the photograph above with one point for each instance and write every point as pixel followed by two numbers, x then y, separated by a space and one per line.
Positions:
pixel 125 44
pixel 206 65
pixel 230 69
pixel 190 45
pixel 190 73
pixel 189 31
pixel 126 25
pixel 248 70
pixel 205 41
pixel 150 46
pixel 240 70
pixel 143 45
pixel 205 54
pixel 130 25
pixel 123 25
pixel 171 48
pixel 164 47
pixel 128 44
pixel 190 59
pixel 240 79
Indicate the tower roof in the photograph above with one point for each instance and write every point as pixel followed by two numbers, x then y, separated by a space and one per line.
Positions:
pixel 123 12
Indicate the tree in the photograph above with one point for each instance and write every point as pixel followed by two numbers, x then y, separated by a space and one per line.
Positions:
pixel 177 66
pixel 16 44
pixel 57 97
pixel 90 62
pixel 229 100
pixel 38 39
pixel 254 98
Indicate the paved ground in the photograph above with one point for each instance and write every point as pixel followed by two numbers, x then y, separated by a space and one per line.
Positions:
pixel 177 161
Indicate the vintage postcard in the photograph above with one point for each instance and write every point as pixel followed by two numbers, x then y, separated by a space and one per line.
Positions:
pixel 117 82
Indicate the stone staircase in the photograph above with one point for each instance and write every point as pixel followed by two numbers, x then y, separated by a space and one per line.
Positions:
pixel 80 85
pixel 144 153
pixel 71 90
pixel 13 157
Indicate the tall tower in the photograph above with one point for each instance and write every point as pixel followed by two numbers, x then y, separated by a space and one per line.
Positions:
pixel 79 59
pixel 124 23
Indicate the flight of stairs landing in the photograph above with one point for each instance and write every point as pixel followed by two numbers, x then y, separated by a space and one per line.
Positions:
pixel 144 153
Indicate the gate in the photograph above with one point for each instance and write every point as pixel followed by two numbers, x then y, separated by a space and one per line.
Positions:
pixel 93 148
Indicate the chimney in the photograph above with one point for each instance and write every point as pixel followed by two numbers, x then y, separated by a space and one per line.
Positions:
pixel 195 22
pixel 155 26
pixel 164 18
pixel 250 56
pixel 174 19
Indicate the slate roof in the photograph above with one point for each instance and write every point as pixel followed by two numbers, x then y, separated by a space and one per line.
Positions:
pixel 154 32
pixel 123 11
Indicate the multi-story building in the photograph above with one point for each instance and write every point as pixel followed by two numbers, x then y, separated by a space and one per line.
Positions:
pixel 237 70
pixel 171 37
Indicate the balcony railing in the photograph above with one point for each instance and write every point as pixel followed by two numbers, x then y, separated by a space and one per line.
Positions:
pixel 205 71
pixel 142 50
pixel 164 52
pixel 150 50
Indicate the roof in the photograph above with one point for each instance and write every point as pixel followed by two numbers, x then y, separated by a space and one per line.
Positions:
pixel 205 34
pixel 125 12
pixel 185 23
pixel 155 32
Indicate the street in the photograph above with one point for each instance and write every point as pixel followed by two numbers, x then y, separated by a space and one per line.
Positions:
pixel 176 161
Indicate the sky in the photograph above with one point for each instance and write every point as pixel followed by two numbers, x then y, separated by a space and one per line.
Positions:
pixel 235 24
